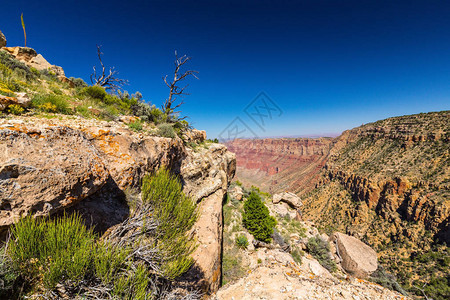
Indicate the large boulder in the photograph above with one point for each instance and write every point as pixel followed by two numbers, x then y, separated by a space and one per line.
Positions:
pixel 43 170
pixel 291 199
pixel 357 258
pixel 2 40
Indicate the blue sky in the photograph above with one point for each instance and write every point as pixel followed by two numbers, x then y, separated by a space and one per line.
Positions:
pixel 327 65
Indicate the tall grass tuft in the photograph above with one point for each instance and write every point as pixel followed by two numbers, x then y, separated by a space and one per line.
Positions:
pixel 176 214
pixel 51 251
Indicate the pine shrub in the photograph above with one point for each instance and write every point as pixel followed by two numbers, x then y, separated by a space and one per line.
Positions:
pixel 256 218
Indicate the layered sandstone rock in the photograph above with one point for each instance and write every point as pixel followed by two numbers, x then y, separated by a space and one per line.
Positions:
pixel 236 193
pixel 288 198
pixel 206 175
pixel 45 169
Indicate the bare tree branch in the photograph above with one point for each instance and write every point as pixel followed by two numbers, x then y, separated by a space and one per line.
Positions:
pixel 108 81
pixel 175 90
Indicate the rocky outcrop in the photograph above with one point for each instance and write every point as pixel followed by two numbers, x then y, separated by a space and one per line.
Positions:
pixel 21 99
pixel 2 40
pixel 289 198
pixel 356 257
pixel 279 277
pixel 277 165
pixel 32 59
pixel 88 166
pixel 387 183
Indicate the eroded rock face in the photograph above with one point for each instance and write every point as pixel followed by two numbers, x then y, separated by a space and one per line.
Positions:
pixel 88 165
pixel 236 193
pixel 357 258
pixel 45 169
pixel 206 175
pixel 2 40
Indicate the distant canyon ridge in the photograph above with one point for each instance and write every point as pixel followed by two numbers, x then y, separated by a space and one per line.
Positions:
pixel 281 164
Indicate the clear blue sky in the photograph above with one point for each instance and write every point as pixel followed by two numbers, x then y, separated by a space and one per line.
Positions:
pixel 328 65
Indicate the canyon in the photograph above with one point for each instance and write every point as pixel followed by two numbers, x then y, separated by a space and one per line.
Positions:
pixel 386 183
pixel 283 164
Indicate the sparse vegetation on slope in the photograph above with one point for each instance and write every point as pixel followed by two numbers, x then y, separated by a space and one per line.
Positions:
pixel 388 183
pixel 52 95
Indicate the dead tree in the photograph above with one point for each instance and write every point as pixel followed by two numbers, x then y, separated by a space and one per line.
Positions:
pixel 108 81
pixel 175 90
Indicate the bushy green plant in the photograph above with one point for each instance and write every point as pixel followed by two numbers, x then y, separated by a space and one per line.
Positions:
pixel 136 125
pixel 15 109
pixel 57 103
pixel 166 130
pixel 320 249
pixel 95 91
pixel 8 277
pixel 176 214
pixel 241 241
pixel 78 82
pixel 51 250
pixel 109 260
pixel 297 256
pixel 12 63
pixel 256 218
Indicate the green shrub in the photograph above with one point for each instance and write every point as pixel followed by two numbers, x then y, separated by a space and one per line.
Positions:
pixel 51 250
pixel 176 214
pixel 297 256
pixel 166 130
pixel 95 91
pixel 50 102
pixel 109 260
pixel 8 277
pixel 78 82
pixel 256 218
pixel 241 241
pixel 18 67
pixel 15 109
pixel 136 125
pixel 320 249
